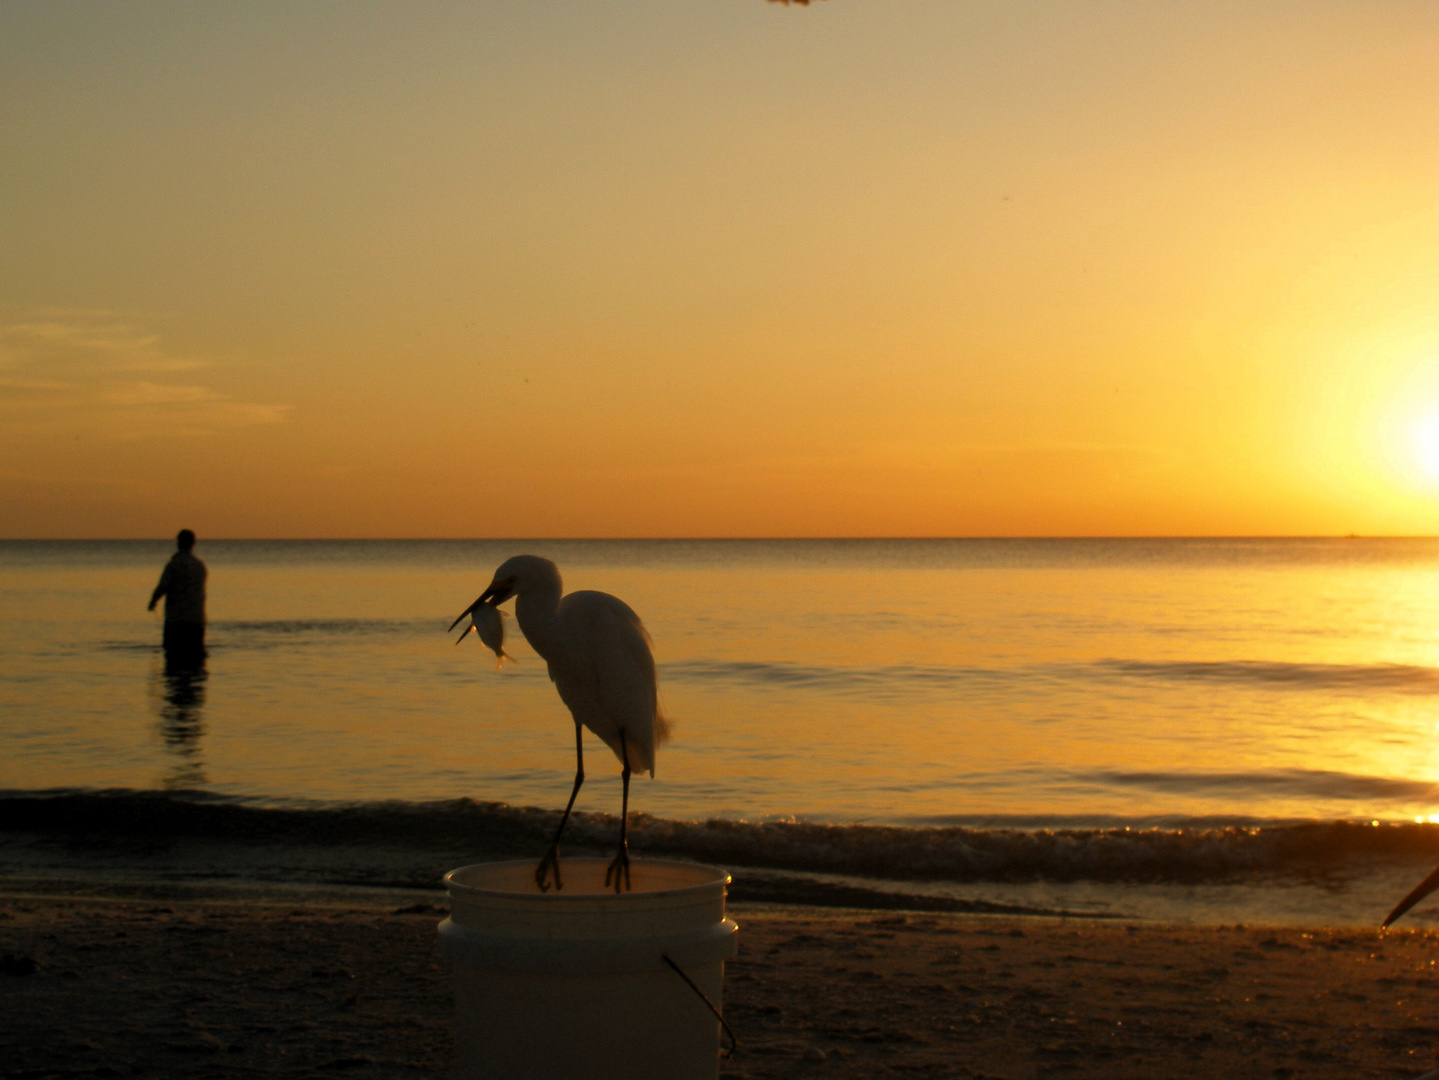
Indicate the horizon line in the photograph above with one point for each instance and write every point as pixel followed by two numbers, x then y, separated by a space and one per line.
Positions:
pixel 715 539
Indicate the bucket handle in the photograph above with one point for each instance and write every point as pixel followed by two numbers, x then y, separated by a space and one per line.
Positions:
pixel 733 1042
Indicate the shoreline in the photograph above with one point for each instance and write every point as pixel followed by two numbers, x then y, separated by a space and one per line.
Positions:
pixel 1329 874
pixel 275 988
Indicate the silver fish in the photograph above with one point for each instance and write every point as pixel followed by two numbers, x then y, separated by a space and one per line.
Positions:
pixel 488 622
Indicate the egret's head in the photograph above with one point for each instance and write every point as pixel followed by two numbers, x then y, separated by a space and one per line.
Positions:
pixel 521 574
pixel 515 577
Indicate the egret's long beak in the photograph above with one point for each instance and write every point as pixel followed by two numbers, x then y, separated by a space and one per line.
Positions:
pixel 1419 892
pixel 464 633
pixel 467 610
pixel 497 593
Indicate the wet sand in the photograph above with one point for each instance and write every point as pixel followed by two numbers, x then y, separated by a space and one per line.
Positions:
pixel 183 988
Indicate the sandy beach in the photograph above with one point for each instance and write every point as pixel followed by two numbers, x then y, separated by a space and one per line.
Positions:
pixel 138 988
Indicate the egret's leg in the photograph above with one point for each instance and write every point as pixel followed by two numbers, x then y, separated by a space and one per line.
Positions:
pixel 621 865
pixel 551 861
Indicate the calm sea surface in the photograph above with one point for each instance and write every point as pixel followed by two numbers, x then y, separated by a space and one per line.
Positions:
pixel 1030 684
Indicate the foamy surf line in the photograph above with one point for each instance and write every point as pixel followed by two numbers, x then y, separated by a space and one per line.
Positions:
pixel 946 853
pixel 156 844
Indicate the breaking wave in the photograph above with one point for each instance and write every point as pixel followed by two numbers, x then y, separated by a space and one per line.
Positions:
pixel 1185 853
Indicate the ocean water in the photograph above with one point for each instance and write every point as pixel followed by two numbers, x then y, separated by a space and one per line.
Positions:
pixel 1195 696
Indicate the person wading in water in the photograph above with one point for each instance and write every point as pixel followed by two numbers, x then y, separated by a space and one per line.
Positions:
pixel 182 584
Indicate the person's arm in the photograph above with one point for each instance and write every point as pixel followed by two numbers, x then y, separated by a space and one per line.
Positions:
pixel 160 589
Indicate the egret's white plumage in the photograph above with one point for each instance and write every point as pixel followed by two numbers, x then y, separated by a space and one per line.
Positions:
pixel 599 659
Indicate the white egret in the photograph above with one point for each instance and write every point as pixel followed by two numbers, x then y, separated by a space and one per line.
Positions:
pixel 600 662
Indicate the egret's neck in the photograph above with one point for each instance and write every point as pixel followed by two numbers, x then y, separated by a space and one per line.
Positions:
pixel 537 610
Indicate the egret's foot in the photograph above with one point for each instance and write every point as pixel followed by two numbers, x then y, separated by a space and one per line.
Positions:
pixel 620 868
pixel 551 862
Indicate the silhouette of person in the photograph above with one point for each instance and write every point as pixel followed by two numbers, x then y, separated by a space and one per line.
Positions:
pixel 182 584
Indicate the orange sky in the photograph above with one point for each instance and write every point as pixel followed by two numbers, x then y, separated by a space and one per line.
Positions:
pixel 728 269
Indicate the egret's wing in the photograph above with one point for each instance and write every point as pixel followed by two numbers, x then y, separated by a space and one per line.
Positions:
pixel 611 672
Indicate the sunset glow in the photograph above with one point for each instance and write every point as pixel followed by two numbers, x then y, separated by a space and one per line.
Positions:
pixel 730 270
pixel 1426 445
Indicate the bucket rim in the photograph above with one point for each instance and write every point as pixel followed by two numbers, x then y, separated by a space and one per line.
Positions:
pixel 722 879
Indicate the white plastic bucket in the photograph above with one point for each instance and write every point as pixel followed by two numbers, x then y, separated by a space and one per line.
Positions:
pixel 573 984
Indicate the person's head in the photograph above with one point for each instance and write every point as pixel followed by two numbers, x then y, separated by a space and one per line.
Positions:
pixel 186 540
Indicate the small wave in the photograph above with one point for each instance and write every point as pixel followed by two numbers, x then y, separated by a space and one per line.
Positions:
pixel 247 634
pixel 1334 785
pixel 1307 851
pixel 300 627
pixel 1398 678
pixel 891 678
pixel 262 634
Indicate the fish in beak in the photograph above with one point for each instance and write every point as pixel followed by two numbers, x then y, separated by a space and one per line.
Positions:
pixel 469 610
pixel 497 593
pixel 488 623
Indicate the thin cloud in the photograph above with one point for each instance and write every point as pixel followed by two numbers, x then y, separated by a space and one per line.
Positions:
pixel 99 338
pixel 80 366
pixel 148 393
